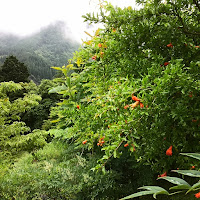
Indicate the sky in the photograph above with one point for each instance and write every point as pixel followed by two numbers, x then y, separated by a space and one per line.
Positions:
pixel 24 17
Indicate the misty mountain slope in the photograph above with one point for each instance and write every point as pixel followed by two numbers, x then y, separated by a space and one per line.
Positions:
pixel 40 51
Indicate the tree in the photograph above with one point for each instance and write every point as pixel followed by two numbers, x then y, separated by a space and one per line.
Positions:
pixel 13 70
pixel 140 85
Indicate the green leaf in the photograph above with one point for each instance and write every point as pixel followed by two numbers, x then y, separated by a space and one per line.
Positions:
pixel 104 170
pixel 153 188
pixel 57 68
pixel 175 180
pixel 180 187
pixel 160 192
pixel 193 155
pixel 138 194
pixel 57 89
pixel 196 185
pixel 192 173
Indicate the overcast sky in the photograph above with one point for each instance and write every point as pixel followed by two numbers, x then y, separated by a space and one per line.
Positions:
pixel 24 17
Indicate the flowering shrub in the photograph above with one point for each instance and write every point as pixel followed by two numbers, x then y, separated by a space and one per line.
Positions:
pixel 125 96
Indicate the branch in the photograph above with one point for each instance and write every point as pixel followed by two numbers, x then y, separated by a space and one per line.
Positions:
pixel 196 3
pixel 184 28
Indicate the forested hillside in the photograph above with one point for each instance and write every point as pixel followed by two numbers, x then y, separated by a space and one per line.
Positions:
pixel 125 112
pixel 40 51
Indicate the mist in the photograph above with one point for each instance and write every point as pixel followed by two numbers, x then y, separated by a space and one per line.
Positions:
pixel 25 18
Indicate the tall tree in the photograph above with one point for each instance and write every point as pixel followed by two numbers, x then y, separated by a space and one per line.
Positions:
pixel 13 70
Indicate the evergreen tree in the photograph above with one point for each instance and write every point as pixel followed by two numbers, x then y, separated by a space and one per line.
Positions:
pixel 13 70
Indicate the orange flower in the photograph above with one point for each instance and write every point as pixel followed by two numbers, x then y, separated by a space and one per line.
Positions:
pixel 84 142
pixel 126 145
pixel 126 106
pixel 197 195
pixel 169 151
pixel 99 45
pixel 101 141
pixel 162 175
pixel 101 52
pixel 135 104
pixel 193 167
pixel 197 46
pixel 141 105
pixel 134 98
pixel 166 63
pixel 194 120
pixel 170 45
pixel 78 107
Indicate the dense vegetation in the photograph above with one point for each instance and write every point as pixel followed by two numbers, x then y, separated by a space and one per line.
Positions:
pixel 124 108
pixel 49 47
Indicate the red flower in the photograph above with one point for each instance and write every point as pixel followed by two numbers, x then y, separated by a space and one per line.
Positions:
pixel 169 151
pixel 190 94
pixel 166 63
pixel 193 167
pixel 134 98
pixel 126 106
pixel 162 175
pixel 197 195
pixel 126 145
pixel 78 107
pixel 141 105
pixel 170 45
pixel 84 142
pixel 94 57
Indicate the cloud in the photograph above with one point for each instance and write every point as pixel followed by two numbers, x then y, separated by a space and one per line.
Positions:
pixel 24 17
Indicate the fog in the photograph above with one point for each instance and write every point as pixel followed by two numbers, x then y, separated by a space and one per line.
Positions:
pixel 25 17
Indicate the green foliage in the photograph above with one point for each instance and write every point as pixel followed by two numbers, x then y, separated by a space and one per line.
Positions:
pixel 142 55
pixel 15 136
pixel 35 117
pixel 128 106
pixel 13 70
pixel 57 172
pixel 181 185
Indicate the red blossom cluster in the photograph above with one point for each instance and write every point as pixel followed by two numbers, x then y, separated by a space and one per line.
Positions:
pixel 101 141
pixel 134 98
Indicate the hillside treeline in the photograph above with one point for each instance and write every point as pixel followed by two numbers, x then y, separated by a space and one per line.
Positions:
pixel 40 51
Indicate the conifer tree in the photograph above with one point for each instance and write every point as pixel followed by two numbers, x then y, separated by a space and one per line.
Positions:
pixel 13 70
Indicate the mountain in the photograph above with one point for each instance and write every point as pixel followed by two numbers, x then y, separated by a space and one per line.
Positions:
pixel 50 47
